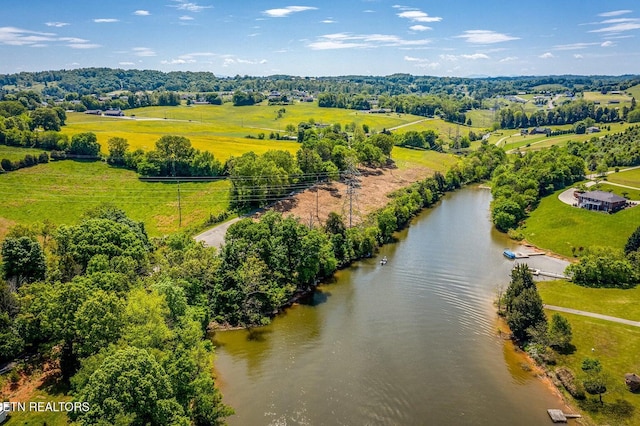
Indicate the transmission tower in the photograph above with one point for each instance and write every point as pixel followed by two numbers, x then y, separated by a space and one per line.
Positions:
pixel 351 177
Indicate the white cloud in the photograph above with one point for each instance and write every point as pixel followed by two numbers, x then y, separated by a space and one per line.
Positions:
pixel 186 18
pixel 574 46
pixel 485 37
pixel 191 7
pixel 286 11
pixel 126 63
pixel 475 56
pixel 616 13
pixel 509 59
pixel 547 55
pixel 328 21
pixel 454 58
pixel 607 44
pixel 19 37
pixel 418 16
pixel 83 45
pixel 578 56
pixel 56 24
pixel 412 59
pixel 142 13
pixel 419 28
pixel 105 20
pixel 143 51
pixel 351 41
pixel 617 28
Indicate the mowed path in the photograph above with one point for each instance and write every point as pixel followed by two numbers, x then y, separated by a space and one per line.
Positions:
pixel 593 315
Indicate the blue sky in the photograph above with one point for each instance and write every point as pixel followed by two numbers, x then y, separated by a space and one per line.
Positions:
pixel 324 38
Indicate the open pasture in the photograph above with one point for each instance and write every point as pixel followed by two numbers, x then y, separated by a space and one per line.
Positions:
pixel 615 99
pixel 62 191
pixel 222 129
pixel 15 153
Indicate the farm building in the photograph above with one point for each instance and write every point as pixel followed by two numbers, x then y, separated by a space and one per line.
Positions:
pixel 114 113
pixel 601 201
pixel 540 131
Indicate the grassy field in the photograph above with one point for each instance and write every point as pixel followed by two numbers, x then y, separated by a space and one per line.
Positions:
pixel 62 191
pixel 629 178
pixel 607 301
pixel 616 346
pixel 406 158
pixel 634 91
pixel 223 129
pixel 14 153
pixel 605 99
pixel 515 140
pixel 558 227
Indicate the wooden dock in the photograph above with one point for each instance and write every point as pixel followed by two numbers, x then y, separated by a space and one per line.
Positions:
pixel 557 416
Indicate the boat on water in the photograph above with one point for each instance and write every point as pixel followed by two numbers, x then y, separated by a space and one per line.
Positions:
pixel 383 261
pixel 509 254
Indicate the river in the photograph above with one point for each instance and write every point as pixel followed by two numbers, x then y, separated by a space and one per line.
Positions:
pixel 413 342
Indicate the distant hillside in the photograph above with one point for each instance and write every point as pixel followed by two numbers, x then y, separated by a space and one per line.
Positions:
pixel 86 81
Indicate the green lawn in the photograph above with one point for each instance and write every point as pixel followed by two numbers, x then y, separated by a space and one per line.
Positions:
pixel 558 227
pixel 607 301
pixel 62 191
pixel 405 158
pixel 14 153
pixel 630 178
pixel 616 346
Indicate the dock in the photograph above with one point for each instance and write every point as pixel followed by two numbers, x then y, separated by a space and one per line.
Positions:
pixel 557 416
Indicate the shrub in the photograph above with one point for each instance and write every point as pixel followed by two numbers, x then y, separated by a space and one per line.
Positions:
pixel 569 382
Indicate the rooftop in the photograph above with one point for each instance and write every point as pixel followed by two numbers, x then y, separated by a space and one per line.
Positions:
pixel 603 196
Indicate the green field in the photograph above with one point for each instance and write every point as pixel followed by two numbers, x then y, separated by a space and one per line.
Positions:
pixel 634 91
pixel 621 303
pixel 222 129
pixel 516 140
pixel 406 158
pixel 62 191
pixel 616 346
pixel 15 153
pixel 606 99
pixel 558 227
pixel 629 178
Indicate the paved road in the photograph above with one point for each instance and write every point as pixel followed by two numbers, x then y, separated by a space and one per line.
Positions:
pixel 214 237
pixel 592 315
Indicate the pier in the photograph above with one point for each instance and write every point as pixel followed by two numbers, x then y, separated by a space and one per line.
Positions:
pixel 557 416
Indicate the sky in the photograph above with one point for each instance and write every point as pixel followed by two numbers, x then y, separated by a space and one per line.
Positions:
pixel 461 38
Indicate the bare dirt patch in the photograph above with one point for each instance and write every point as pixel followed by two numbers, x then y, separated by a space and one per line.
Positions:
pixel 314 204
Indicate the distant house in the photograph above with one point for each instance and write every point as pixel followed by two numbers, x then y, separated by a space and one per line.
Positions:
pixel 540 131
pixel 114 113
pixel 601 201
pixel 94 111
pixel 593 129
pixel 524 132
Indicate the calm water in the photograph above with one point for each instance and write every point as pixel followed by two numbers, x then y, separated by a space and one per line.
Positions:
pixel 413 342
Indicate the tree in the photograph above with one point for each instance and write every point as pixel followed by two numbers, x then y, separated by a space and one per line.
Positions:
pixel 85 144
pixel 23 260
pixel 595 382
pixel 117 149
pixel 131 382
pixel 384 142
pixel 524 310
pixel 633 243
pixel 46 118
pixel 559 334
